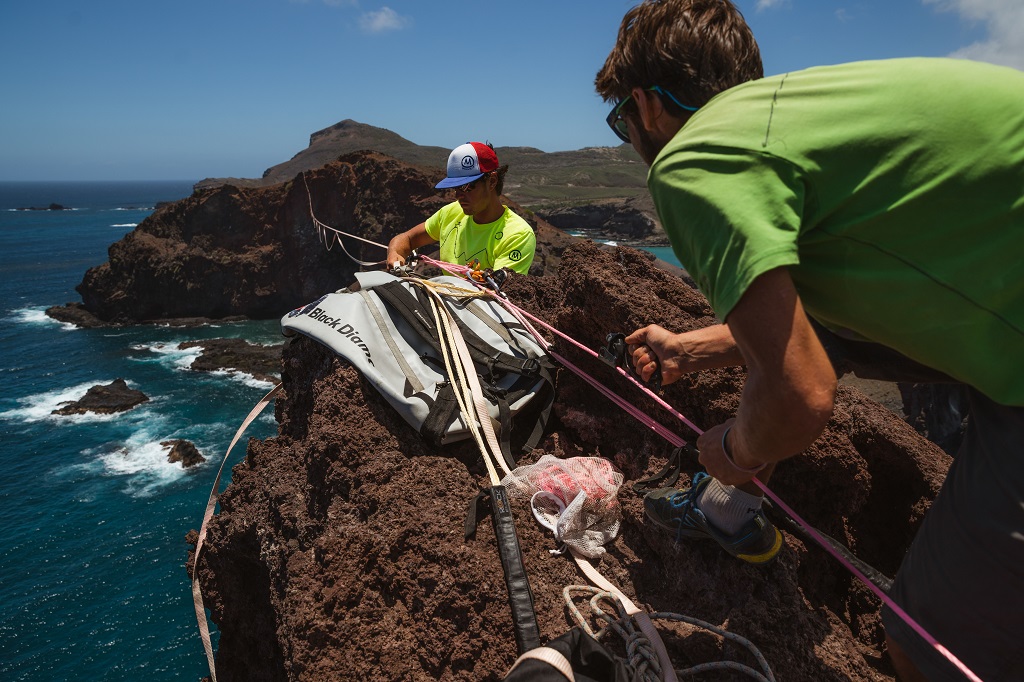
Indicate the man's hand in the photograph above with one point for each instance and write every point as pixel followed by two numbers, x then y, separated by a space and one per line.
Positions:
pixel 402 245
pixel 651 347
pixel 680 354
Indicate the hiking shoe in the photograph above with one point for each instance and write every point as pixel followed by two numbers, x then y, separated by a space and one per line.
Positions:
pixel 757 542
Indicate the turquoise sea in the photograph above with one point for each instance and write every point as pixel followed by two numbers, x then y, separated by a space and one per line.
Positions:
pixel 92 547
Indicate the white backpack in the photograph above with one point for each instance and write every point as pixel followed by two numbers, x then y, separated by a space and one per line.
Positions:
pixel 386 330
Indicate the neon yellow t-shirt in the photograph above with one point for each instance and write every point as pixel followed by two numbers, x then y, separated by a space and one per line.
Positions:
pixel 892 191
pixel 508 242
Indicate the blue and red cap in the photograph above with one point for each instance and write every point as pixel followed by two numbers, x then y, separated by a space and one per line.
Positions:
pixel 467 162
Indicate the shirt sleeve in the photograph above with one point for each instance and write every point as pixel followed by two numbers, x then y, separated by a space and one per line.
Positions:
pixel 730 214
pixel 434 223
pixel 516 251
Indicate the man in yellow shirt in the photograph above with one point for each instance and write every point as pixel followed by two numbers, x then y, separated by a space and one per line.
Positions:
pixel 476 226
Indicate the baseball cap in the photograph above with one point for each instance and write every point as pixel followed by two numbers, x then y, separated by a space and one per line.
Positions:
pixel 467 162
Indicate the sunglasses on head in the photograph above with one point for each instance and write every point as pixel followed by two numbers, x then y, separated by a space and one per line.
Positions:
pixel 617 122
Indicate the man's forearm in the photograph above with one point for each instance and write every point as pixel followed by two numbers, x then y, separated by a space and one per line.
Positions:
pixel 709 348
pixel 788 396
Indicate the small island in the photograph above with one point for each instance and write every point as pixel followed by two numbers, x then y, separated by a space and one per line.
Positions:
pixel 51 207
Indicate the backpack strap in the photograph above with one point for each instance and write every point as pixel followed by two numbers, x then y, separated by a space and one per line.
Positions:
pixel 413 383
pixel 442 414
pixel 414 309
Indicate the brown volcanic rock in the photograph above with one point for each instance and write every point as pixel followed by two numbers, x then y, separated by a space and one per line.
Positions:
pixel 105 399
pixel 255 252
pixel 632 220
pixel 262 362
pixel 183 451
pixel 338 551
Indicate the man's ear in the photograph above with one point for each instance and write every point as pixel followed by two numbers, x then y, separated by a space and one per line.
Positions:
pixel 649 105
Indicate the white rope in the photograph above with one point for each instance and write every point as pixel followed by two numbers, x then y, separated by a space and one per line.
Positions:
pixel 638 647
pixel 322 230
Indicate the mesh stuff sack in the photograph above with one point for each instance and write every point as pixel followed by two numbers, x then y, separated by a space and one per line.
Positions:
pixel 576 498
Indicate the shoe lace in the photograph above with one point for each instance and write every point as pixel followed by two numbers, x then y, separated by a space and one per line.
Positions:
pixel 683 501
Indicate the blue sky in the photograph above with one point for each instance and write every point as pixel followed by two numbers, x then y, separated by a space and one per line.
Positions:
pixel 151 89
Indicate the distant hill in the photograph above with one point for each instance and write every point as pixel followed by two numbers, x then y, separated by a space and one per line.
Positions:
pixel 536 178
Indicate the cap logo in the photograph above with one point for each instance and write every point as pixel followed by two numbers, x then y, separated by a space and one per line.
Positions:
pixel 468 162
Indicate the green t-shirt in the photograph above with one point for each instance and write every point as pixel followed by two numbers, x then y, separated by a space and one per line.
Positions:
pixel 508 242
pixel 892 190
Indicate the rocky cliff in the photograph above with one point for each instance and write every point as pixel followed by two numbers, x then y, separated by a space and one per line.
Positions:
pixel 632 221
pixel 255 252
pixel 338 553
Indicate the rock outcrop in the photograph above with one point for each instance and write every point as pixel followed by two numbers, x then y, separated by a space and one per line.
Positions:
pixel 116 396
pixel 632 221
pixel 338 552
pixel 236 355
pixel 183 451
pixel 256 252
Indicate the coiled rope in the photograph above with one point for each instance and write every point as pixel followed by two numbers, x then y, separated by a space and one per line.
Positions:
pixel 638 650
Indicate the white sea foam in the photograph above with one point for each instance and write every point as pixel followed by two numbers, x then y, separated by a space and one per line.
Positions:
pixel 611 243
pixel 244 378
pixel 170 354
pixel 143 460
pixel 31 316
pixel 36 316
pixel 39 407
pixel 125 225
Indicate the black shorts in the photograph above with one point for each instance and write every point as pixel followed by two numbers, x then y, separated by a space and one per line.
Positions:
pixel 963 577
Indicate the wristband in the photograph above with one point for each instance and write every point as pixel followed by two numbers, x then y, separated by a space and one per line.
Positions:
pixel 728 456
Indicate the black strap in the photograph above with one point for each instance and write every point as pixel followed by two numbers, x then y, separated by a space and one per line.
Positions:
pixel 520 597
pixel 781 518
pixel 669 474
pixel 441 414
pixel 473 514
pixel 414 308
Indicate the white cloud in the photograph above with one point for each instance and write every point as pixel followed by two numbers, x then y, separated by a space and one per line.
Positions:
pixel 770 4
pixel 384 19
pixel 1004 20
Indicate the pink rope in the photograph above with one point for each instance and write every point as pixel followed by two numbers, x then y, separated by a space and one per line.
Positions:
pixel 677 441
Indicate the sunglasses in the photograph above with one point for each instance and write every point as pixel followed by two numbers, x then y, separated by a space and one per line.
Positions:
pixel 467 188
pixel 617 122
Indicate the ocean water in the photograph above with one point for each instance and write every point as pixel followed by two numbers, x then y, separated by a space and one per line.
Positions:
pixel 92 548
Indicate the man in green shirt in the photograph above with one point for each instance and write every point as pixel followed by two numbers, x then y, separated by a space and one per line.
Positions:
pixel 885 202
pixel 476 227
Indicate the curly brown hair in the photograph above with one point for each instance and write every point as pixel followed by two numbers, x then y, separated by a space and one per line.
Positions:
pixel 695 49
